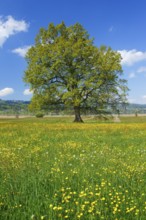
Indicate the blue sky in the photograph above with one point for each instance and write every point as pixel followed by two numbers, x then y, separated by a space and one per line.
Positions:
pixel 120 24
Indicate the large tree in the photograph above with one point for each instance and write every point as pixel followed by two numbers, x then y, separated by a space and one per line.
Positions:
pixel 65 67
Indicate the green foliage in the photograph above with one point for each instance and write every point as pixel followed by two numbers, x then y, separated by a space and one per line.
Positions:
pixel 13 107
pixel 39 115
pixel 64 66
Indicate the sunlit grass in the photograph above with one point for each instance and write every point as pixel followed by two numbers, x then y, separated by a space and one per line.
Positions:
pixel 54 169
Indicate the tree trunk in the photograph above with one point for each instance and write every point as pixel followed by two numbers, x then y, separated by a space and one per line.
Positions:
pixel 77 114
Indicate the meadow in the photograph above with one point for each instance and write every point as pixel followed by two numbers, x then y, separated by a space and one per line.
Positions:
pixel 54 169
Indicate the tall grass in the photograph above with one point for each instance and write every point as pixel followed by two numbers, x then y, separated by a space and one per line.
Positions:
pixel 60 170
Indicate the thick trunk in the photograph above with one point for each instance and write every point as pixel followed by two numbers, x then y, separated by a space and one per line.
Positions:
pixel 77 114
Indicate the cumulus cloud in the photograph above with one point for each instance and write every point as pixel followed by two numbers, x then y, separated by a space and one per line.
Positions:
pixel 9 26
pixel 6 91
pixel 132 75
pixel 27 92
pixel 21 51
pixel 130 57
pixel 141 69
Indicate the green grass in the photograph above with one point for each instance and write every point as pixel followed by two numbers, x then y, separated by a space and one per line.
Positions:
pixel 54 169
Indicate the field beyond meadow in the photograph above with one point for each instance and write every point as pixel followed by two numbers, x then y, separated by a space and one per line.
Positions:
pixel 54 169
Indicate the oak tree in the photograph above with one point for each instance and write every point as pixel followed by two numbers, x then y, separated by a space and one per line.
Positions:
pixel 65 67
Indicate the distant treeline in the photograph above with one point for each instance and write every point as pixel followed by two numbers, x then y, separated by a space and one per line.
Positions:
pixel 13 107
pixel 21 107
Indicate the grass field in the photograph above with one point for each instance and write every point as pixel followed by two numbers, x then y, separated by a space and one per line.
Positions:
pixel 54 169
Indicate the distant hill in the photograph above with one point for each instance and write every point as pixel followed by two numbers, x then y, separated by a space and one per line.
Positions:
pixel 133 108
pixel 21 107
pixel 12 106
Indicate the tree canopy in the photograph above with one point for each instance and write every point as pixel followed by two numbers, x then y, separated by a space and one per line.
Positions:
pixel 65 67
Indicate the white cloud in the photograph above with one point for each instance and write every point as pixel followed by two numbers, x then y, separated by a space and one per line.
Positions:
pixel 141 69
pixel 27 92
pixel 21 51
pixel 132 75
pixel 6 91
pixel 144 96
pixel 132 56
pixel 9 26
